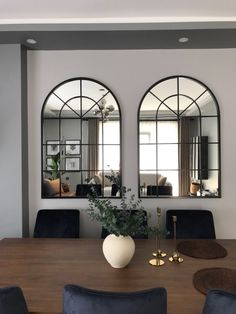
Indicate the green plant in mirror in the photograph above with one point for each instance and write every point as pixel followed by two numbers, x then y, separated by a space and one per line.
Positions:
pixel 115 178
pixel 55 165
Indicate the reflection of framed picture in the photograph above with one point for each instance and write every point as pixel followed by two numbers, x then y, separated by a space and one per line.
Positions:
pixel 52 147
pixel 72 163
pixel 49 163
pixel 72 147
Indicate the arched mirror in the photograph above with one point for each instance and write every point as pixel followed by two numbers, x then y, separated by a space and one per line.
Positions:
pixel 179 140
pixel 81 135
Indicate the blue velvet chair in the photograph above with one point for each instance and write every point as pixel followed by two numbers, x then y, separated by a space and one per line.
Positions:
pixel 79 300
pixel 12 301
pixel 191 224
pixel 57 223
pixel 105 233
pixel 220 302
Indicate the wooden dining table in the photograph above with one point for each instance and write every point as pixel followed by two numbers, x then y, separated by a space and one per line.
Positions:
pixel 41 267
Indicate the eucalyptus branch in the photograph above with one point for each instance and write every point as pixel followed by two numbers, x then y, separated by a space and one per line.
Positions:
pixel 128 219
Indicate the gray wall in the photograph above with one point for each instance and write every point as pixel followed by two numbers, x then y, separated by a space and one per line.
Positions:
pixel 13 142
pixel 129 73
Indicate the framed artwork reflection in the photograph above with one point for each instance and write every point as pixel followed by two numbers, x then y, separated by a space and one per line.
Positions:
pixel 72 147
pixel 49 163
pixel 72 163
pixel 52 148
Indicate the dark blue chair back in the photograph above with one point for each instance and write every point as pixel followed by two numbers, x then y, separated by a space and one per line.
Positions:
pixel 12 301
pixel 79 300
pixel 220 302
pixel 57 223
pixel 191 224
pixel 105 233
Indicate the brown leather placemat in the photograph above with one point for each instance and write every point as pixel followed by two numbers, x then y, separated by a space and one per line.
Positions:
pixel 215 278
pixel 201 249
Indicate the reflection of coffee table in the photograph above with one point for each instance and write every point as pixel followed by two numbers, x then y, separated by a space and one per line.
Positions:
pixel 83 190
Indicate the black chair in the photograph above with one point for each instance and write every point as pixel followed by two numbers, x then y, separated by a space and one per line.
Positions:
pixel 57 223
pixel 220 302
pixel 12 301
pixel 79 300
pixel 105 233
pixel 191 224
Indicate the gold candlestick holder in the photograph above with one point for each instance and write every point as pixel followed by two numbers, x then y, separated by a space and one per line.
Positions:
pixel 175 258
pixel 158 254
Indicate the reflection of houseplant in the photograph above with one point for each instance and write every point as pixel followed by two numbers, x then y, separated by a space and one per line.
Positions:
pixel 122 223
pixel 54 165
pixel 115 178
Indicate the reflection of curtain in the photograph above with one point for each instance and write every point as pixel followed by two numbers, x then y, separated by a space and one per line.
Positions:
pixel 93 138
pixel 184 184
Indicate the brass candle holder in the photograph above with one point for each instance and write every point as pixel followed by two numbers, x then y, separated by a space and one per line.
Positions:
pixel 158 254
pixel 175 258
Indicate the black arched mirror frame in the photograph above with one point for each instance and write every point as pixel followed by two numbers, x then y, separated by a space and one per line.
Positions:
pixel 80 140
pixel 179 140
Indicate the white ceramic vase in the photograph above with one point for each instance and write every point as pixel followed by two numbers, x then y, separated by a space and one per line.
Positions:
pixel 118 250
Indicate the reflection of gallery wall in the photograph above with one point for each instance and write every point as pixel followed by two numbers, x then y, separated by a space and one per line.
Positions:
pixel 70 129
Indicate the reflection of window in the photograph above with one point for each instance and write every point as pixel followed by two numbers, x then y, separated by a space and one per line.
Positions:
pixel 167 135
pixel 109 136
pixel 145 137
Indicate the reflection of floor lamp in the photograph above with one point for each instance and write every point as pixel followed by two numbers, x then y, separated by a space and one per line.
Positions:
pixel 175 258
pixel 157 261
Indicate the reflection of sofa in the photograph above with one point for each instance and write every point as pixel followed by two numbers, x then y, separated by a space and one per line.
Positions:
pixel 155 184
pixel 54 188
pixel 108 187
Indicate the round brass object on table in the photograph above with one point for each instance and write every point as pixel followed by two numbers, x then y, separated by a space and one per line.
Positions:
pixel 175 258
pixel 156 262
pixel 159 254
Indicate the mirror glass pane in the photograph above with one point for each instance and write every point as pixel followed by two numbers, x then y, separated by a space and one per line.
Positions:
pixel 81 140
pixel 179 144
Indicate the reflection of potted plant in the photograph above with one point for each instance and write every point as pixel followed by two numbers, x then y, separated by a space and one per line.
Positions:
pixel 115 178
pixel 194 187
pixel 54 165
pixel 122 224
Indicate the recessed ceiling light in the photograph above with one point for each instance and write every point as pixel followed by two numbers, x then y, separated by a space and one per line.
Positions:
pixel 31 41
pixel 183 39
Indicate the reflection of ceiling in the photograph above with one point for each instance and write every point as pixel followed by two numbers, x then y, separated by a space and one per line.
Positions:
pixel 69 114
pixel 165 98
pixel 79 97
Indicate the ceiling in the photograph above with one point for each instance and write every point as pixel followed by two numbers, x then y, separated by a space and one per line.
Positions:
pixel 130 24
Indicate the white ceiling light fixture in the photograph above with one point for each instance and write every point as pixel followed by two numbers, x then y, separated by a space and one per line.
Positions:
pixel 31 41
pixel 183 40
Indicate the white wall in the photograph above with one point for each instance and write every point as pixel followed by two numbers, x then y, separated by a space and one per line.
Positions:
pixel 129 74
